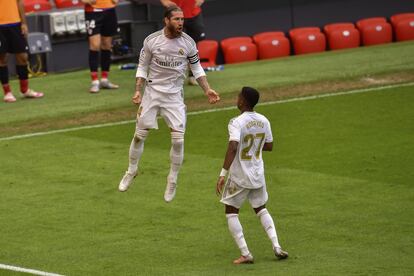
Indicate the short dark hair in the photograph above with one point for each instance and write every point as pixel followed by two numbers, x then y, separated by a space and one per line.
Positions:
pixel 169 10
pixel 251 96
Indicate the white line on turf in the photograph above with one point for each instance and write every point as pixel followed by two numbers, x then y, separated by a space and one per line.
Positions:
pixel 27 270
pixel 305 98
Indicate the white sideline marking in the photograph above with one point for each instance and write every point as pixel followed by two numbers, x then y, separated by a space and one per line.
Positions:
pixel 299 99
pixel 63 130
pixel 27 270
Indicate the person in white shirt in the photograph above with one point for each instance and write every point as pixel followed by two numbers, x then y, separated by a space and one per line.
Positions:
pixel 250 134
pixel 162 67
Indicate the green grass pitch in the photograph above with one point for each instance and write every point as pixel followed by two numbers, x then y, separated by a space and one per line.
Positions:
pixel 66 94
pixel 340 181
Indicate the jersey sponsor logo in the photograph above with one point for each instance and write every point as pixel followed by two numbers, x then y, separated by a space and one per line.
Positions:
pixel 168 62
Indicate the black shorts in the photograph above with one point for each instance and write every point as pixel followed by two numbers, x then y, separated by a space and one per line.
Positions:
pixel 194 27
pixel 103 22
pixel 12 40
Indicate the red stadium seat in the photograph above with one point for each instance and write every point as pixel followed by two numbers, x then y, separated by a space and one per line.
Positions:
pixel 264 35
pixel 401 16
pixel 375 31
pixel 232 40
pixel 307 40
pixel 403 24
pixel 338 26
pixel 207 50
pixel 272 45
pixel 61 4
pixel 369 21
pixel 36 6
pixel 238 49
pixel 342 36
pixel 404 29
pixel 297 31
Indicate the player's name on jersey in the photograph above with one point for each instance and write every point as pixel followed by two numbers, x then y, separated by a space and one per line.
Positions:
pixel 254 123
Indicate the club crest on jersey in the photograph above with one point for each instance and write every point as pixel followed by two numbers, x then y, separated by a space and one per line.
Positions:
pixel 181 52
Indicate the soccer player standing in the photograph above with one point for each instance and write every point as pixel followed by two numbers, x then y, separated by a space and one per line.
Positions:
pixel 101 24
pixel 250 134
pixel 162 67
pixel 13 34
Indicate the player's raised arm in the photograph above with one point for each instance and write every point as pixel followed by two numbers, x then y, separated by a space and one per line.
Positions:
pixel 200 75
pixel 213 96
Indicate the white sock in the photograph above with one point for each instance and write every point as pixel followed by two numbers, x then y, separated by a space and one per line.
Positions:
pixel 236 231
pixel 269 226
pixel 136 149
pixel 176 154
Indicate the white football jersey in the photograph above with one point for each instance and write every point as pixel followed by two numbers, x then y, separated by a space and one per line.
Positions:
pixel 163 61
pixel 251 130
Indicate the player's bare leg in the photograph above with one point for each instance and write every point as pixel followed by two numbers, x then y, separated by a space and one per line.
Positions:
pixel 135 152
pixel 106 51
pixel 4 77
pixel 236 230
pixel 176 159
pixel 269 227
pixel 94 48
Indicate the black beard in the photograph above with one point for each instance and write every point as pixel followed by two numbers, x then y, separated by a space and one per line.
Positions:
pixel 173 31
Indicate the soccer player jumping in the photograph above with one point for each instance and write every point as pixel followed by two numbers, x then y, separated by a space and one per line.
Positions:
pixel 162 67
pixel 250 134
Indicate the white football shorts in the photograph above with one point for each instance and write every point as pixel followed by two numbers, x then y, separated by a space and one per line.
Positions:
pixel 169 105
pixel 234 195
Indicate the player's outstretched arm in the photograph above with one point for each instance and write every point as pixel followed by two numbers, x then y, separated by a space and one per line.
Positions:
pixel 230 155
pixel 213 96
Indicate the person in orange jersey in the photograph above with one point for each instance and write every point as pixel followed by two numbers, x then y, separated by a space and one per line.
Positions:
pixel 101 25
pixel 13 40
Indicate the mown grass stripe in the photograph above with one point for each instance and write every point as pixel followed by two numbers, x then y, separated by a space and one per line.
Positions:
pixel 306 98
